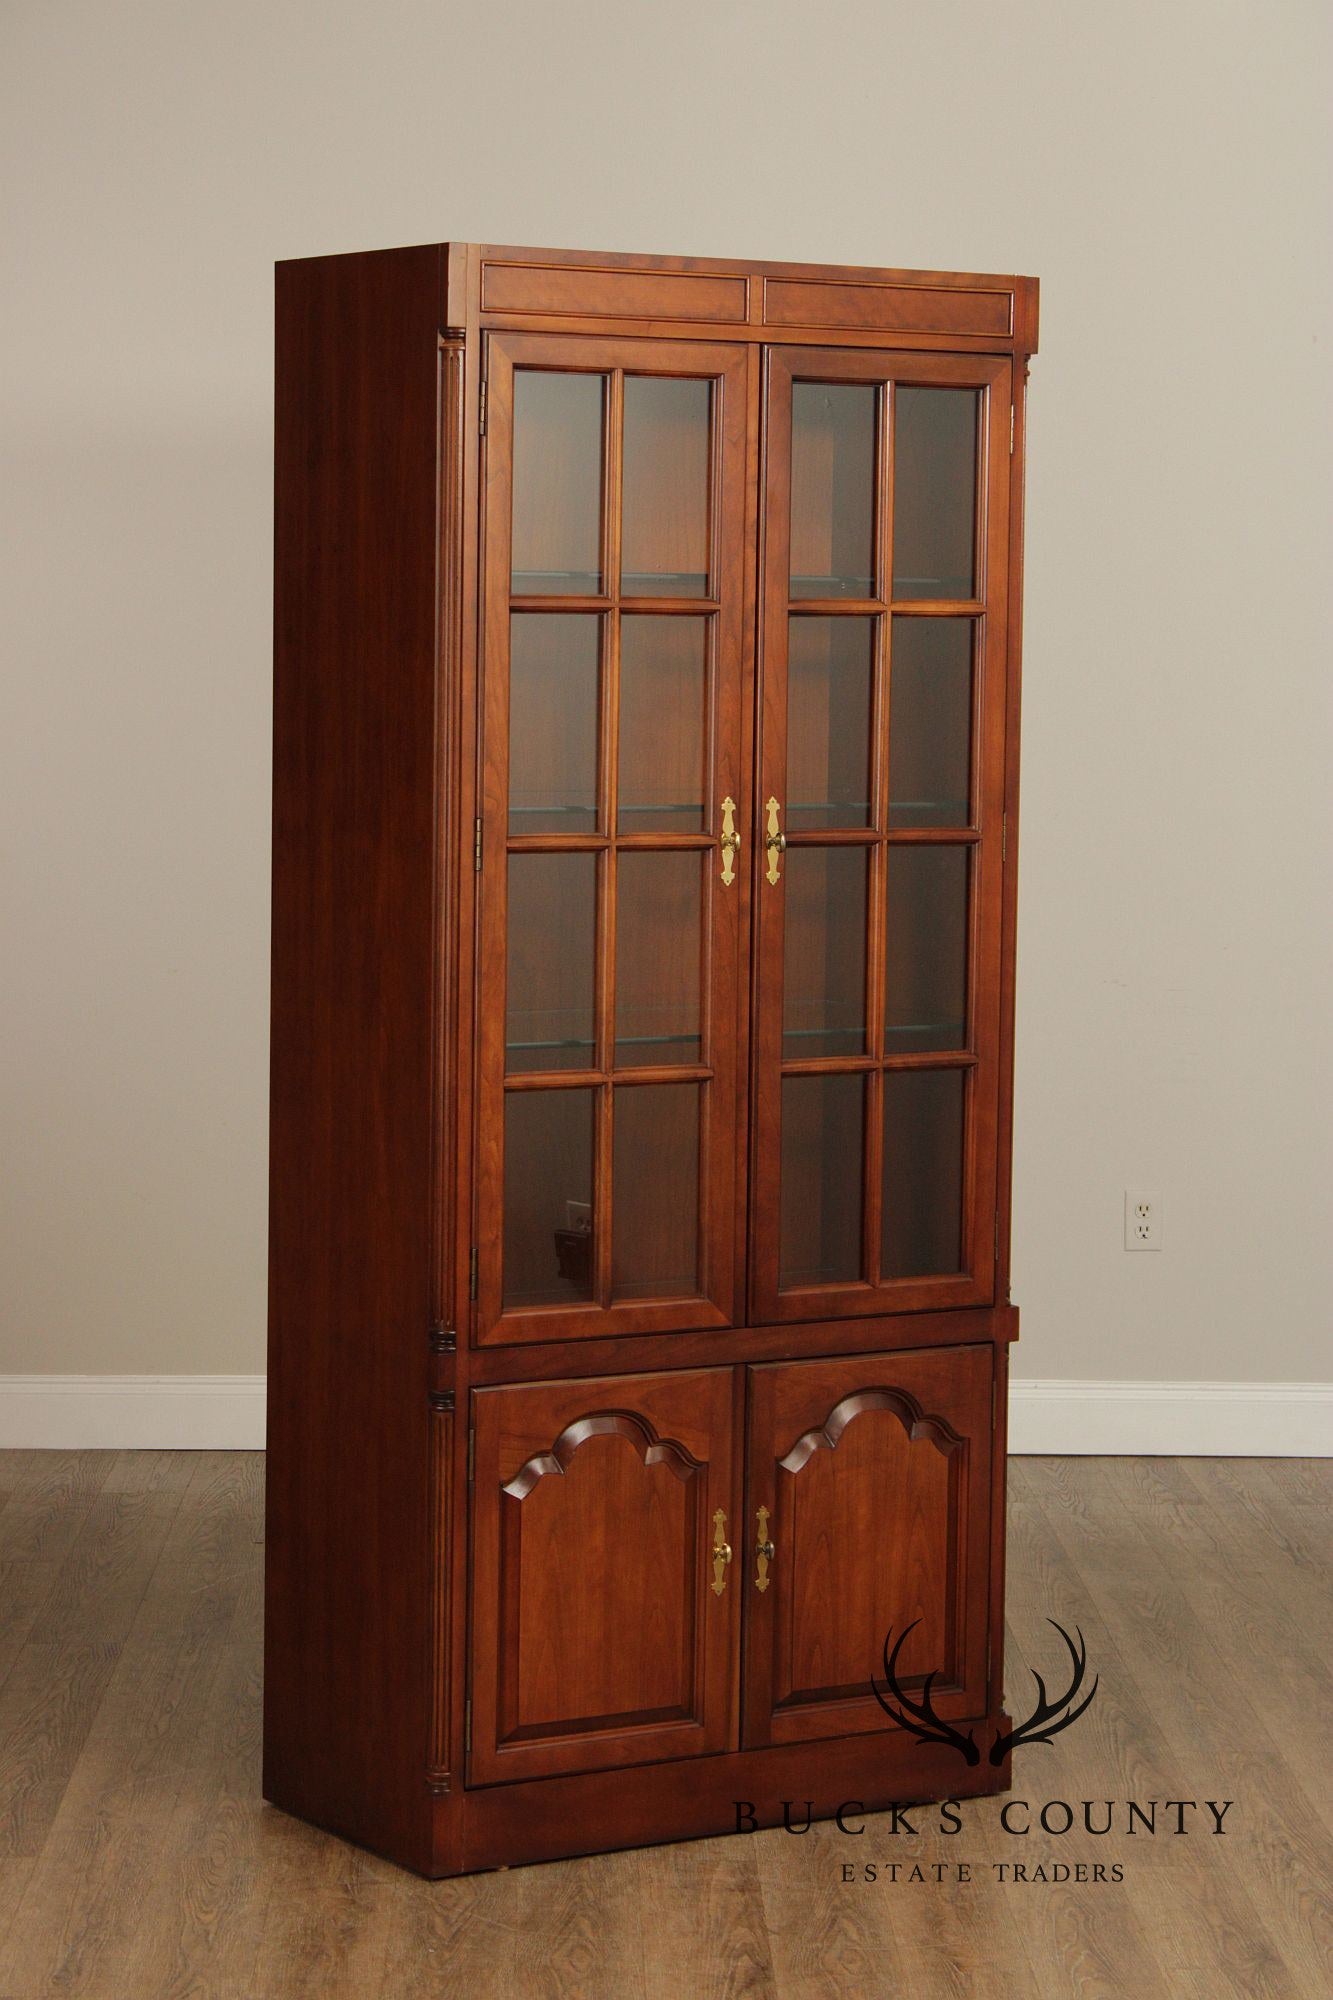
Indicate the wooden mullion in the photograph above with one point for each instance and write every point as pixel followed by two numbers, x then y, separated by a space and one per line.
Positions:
pixel 828 1065
pixel 666 843
pixel 937 607
pixel 933 836
pixel 834 607
pixel 556 843
pixel 932 1059
pixel 872 1147
pixel 832 836
pixel 872 1152
pixel 667 607
pixel 610 751
pixel 558 601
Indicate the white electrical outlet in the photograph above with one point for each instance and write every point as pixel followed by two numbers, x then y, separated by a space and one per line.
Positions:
pixel 1143 1221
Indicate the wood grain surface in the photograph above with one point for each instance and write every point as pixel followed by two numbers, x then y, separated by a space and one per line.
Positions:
pixel 137 1859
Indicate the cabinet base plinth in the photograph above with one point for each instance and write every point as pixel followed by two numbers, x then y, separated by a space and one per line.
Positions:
pixel 510 1826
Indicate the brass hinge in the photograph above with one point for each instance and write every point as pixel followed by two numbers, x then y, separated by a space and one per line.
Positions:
pixel 472 1274
pixel 481 411
pixel 1011 424
pixel 476 847
pixel 467 1725
pixel 472 1452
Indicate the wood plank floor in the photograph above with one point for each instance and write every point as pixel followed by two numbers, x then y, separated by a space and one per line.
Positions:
pixel 136 1858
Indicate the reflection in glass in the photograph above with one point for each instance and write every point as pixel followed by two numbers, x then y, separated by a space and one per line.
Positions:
pixel 930 722
pixel 548 1212
pixel 662 725
pixel 832 489
pixel 830 686
pixel 664 536
pixel 549 992
pixel 934 492
pixel 824 952
pixel 925 1000
pixel 820 1231
pixel 557 536
pixel 553 722
pixel 921 1231
pixel 659 928
pixel 655 1192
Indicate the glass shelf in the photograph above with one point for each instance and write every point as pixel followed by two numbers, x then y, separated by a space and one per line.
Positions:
pixel 832 586
pixel 927 588
pixel 552 1042
pixel 588 583
pixel 934 1035
pixel 556 583
pixel 664 583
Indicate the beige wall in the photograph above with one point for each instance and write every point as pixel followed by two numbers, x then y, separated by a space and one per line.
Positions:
pixel 1160 167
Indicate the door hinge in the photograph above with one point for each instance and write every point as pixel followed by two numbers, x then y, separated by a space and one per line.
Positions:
pixel 467 1725
pixel 472 1274
pixel 1011 423
pixel 472 1453
pixel 481 410
pixel 476 847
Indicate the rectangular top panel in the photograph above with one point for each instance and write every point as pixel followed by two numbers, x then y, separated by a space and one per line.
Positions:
pixel 504 285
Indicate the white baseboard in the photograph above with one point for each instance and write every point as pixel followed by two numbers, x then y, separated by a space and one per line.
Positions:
pixel 132 1412
pixel 1172 1419
pixel 226 1413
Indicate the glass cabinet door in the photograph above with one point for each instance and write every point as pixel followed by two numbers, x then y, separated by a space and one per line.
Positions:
pixel 613 812
pixel 877 906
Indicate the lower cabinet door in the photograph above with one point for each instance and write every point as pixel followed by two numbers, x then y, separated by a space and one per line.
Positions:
pixel 868 1511
pixel 604 1597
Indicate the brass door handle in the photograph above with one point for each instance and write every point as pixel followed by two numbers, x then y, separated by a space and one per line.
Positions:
pixel 729 843
pixel 775 840
pixel 721 1553
pixel 764 1551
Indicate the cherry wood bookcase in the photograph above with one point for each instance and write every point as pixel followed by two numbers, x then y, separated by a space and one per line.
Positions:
pixel 645 813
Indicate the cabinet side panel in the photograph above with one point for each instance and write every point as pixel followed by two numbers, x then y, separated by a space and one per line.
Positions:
pixel 354 867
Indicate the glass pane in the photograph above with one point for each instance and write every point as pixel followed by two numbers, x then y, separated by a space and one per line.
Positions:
pixel 557 546
pixel 923 1173
pixel 830 684
pixel 824 952
pixel 832 489
pixel 553 722
pixel 930 722
pixel 552 931
pixel 934 492
pixel 659 926
pixel 925 1001
pixel 663 678
pixel 655 1192
pixel 548 1228
pixel 822 1121
pixel 664 536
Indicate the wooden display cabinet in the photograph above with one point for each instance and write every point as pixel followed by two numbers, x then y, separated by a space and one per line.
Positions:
pixel 645 793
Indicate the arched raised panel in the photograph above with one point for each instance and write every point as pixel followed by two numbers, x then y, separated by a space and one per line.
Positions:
pixel 586 1525
pixel 868 1505
pixel 597 1640
pixel 873 1471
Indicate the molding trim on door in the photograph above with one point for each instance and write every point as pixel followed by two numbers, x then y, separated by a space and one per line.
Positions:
pixel 1075 1418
